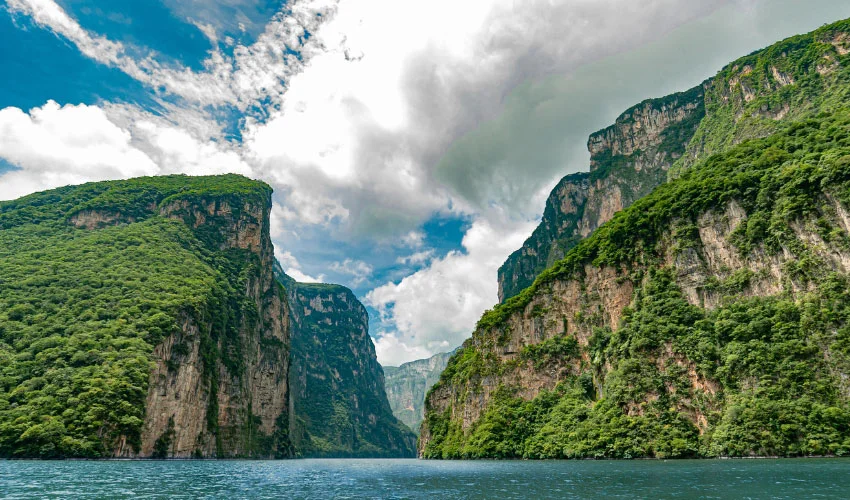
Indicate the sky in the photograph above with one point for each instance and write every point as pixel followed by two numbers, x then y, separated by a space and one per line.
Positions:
pixel 411 145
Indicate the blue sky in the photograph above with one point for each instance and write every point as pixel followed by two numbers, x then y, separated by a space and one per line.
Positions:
pixel 411 145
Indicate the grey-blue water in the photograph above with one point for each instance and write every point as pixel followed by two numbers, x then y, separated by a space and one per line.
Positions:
pixel 804 478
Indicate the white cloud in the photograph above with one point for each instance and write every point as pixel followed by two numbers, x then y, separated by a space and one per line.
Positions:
pixel 368 118
pixel 413 239
pixel 291 267
pixel 357 269
pixel 58 145
pixel 253 72
pixel 393 352
pixel 436 308
pixel 416 258
pixel 175 149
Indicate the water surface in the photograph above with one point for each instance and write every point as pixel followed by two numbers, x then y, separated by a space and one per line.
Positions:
pixel 803 478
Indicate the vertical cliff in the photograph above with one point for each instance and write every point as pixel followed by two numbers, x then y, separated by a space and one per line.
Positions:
pixel 627 160
pixel 407 385
pixel 339 404
pixel 226 393
pixel 708 318
pixel 155 316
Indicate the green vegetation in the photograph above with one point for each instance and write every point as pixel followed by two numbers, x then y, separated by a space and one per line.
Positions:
pixel 337 386
pixel 775 393
pixel 756 375
pixel 753 97
pixel 776 180
pixel 761 93
pixel 555 348
pixel 81 310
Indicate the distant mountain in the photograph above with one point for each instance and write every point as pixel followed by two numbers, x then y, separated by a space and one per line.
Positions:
pixel 709 317
pixel 339 406
pixel 407 385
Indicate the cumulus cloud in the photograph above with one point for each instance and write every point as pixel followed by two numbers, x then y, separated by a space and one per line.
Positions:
pixel 413 239
pixel 393 352
pixel 357 269
pixel 397 83
pixel 416 258
pixel 58 145
pixel 291 267
pixel 436 308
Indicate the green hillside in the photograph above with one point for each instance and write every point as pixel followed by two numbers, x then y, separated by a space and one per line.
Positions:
pixel 92 277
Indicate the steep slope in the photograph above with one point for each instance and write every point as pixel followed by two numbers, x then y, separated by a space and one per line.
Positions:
pixel 750 98
pixel 141 318
pixel 407 385
pixel 340 407
pixel 709 318
pixel 627 161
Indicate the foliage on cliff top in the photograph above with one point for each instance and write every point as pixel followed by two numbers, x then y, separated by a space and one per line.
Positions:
pixel 759 94
pixel 81 310
pixel 136 198
pixel 745 100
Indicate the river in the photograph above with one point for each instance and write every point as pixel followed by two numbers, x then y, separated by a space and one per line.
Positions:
pixel 763 478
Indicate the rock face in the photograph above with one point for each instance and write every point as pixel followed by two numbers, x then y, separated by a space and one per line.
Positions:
pixel 236 407
pixel 407 385
pixel 627 161
pixel 339 405
pixel 671 329
pixel 658 139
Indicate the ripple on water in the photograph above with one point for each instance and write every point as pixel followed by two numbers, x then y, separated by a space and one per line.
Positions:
pixel 821 478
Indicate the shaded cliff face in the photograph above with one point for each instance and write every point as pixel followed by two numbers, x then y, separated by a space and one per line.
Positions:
pixel 709 318
pixel 339 405
pixel 407 385
pixel 627 161
pixel 168 334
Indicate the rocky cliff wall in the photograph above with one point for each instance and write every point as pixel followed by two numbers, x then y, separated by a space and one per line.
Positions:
pixel 627 160
pixel 407 385
pixel 339 403
pixel 723 290
pixel 220 384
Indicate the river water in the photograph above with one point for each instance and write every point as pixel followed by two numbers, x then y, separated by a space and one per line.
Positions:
pixel 787 478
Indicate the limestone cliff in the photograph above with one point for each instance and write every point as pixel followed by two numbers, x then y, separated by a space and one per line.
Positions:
pixel 237 404
pixel 407 385
pixel 709 317
pixel 627 160
pixel 339 404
